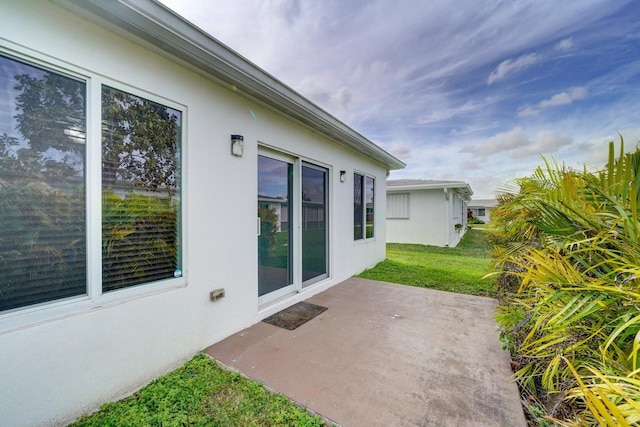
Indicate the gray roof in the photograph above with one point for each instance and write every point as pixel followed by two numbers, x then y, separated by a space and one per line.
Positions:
pixel 167 33
pixel 461 187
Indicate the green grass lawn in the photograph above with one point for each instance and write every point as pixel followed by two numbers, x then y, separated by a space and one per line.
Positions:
pixel 458 269
pixel 201 394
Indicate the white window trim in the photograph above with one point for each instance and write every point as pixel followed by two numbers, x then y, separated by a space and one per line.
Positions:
pixel 35 314
pixel 298 286
pixel 364 238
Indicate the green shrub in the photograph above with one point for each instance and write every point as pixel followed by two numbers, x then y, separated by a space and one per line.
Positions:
pixel 42 245
pixel 139 239
pixel 567 244
pixel 268 234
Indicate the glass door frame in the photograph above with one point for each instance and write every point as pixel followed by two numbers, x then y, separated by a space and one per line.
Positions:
pixel 295 222
pixel 327 223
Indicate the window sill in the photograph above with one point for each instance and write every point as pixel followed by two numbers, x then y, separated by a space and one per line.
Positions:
pixel 364 241
pixel 47 312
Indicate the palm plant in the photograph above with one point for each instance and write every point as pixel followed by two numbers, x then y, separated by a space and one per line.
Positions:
pixel 570 240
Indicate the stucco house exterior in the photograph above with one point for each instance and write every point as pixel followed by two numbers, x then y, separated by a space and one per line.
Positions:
pixel 427 212
pixel 145 171
pixel 481 208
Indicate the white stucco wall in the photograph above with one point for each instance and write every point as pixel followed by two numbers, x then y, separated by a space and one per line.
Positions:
pixel 458 215
pixel 487 213
pixel 432 218
pixel 59 360
pixel 427 222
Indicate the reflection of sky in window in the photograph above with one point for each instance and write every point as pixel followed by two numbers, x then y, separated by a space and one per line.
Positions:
pixel 8 70
pixel 369 190
pixel 313 185
pixel 272 177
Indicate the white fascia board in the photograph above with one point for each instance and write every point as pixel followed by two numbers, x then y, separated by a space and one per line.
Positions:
pixel 433 186
pixel 461 187
pixel 162 28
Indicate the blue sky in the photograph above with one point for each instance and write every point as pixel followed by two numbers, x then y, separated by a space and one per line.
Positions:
pixel 475 91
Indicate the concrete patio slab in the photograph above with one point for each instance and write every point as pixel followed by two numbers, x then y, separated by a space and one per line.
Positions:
pixel 386 355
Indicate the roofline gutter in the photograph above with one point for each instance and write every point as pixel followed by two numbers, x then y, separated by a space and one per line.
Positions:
pixel 171 34
pixel 465 193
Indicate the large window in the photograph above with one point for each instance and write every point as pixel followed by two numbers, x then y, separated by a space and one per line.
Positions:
pixel 140 190
pixel 44 185
pixel 42 191
pixel 363 206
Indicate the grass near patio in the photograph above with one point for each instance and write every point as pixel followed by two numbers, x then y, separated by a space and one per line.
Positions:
pixel 202 394
pixel 460 269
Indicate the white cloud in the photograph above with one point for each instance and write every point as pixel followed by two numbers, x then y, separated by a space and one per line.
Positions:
pixel 402 150
pixel 565 44
pixel 503 141
pixel 442 114
pixel 528 111
pixel 542 143
pixel 562 98
pixel 338 101
pixel 511 66
pixel 422 79
pixel 520 145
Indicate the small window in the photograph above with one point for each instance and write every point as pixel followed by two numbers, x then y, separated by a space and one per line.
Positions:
pixel 398 206
pixel 363 206
pixel 369 199
pixel 42 185
pixel 140 190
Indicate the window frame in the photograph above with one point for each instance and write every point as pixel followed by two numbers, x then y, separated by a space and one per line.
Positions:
pixel 142 289
pixel 364 176
pixel 94 297
pixel 298 160
pixel 53 68
pixel 179 190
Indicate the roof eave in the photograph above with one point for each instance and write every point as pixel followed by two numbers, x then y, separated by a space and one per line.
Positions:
pixel 159 26
pixel 463 188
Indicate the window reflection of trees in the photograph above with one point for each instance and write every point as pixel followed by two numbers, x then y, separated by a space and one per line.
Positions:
pixel 43 250
pixel 42 196
pixel 140 179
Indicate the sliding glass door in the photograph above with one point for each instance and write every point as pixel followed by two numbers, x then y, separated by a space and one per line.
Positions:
pixel 314 223
pixel 292 225
pixel 275 243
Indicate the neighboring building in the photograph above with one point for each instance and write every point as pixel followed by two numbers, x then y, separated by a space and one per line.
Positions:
pixel 125 200
pixel 481 208
pixel 279 205
pixel 427 212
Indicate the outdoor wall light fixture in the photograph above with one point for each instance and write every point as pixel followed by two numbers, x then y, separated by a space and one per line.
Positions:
pixel 343 176
pixel 237 145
